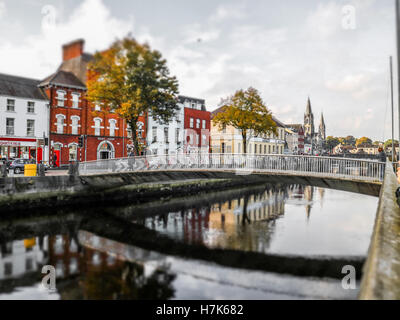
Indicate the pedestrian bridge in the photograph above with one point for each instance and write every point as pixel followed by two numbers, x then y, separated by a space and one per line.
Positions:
pixel 323 167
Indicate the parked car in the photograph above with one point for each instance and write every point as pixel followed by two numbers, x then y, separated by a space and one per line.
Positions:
pixel 18 165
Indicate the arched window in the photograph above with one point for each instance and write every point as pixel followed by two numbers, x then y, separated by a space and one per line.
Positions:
pixel 60 123
pixel 113 127
pixel 97 126
pixel 75 124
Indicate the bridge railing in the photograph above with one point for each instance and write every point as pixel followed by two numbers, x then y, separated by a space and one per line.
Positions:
pixel 243 164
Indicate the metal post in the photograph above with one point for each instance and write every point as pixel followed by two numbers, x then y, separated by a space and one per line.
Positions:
pixel 391 92
pixel 398 54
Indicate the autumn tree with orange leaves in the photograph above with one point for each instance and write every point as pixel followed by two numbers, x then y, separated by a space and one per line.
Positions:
pixel 133 80
pixel 246 112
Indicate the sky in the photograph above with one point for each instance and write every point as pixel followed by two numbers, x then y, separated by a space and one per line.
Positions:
pixel 337 52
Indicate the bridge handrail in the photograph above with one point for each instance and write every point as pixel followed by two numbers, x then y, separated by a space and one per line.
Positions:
pixel 312 165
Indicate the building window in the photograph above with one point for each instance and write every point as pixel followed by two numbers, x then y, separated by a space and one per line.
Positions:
pixel 166 134
pixel 30 128
pixel 10 105
pixel 204 139
pixel 10 126
pixel 97 126
pixel 73 152
pixel 198 123
pixel 154 134
pixel 191 122
pixel 31 107
pixel 97 107
pixel 75 100
pixel 60 98
pixel 60 123
pixel 197 139
pixel 239 147
pixel 255 149
pixel 177 135
pixel 113 126
pixel 75 124
pixel 204 124
pixel 265 149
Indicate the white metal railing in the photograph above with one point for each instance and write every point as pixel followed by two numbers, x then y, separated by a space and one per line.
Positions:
pixel 369 170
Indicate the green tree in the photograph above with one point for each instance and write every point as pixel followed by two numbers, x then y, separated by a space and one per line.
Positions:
pixel 350 140
pixel 363 140
pixel 246 112
pixel 332 142
pixel 388 143
pixel 134 81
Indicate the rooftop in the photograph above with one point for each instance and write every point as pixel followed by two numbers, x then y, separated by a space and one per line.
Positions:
pixel 15 86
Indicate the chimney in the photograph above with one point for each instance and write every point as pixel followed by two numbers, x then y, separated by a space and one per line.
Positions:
pixel 73 49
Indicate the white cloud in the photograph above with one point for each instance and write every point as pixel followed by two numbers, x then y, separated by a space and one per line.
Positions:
pixel 349 83
pixel 326 20
pixel 196 33
pixel 2 9
pixel 39 55
pixel 231 11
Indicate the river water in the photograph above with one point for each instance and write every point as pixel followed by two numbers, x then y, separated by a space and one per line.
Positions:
pixel 287 221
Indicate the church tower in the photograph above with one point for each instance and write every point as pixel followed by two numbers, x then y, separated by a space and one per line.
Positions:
pixel 322 128
pixel 308 122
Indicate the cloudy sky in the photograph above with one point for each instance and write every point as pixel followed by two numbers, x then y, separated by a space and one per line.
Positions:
pixel 288 49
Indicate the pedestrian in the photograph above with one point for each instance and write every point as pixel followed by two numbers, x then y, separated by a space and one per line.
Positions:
pixel 54 160
pixel 382 158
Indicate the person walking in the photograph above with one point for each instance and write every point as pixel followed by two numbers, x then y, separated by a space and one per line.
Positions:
pixel 382 158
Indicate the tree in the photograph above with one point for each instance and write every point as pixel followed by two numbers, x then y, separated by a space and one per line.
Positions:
pixel 246 112
pixel 133 80
pixel 350 140
pixel 388 143
pixel 332 142
pixel 363 140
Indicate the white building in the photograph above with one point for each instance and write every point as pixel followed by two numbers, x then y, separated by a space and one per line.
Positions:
pixel 20 257
pixel 187 132
pixel 24 118
pixel 166 138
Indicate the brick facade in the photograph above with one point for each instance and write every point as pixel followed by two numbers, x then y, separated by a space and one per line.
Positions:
pixel 104 134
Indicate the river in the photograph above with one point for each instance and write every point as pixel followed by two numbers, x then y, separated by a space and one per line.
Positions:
pixel 286 221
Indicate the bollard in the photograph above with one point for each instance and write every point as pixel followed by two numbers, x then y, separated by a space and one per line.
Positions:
pixel 41 170
pixel 3 171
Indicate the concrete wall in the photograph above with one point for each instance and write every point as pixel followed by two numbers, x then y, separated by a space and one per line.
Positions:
pixel 381 277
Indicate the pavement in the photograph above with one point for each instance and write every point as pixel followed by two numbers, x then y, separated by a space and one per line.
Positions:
pixel 48 173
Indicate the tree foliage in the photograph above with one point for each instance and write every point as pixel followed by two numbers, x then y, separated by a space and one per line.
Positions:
pixel 388 143
pixel 332 142
pixel 133 80
pixel 246 112
pixel 363 140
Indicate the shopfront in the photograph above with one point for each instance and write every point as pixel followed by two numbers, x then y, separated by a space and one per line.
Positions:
pixel 18 148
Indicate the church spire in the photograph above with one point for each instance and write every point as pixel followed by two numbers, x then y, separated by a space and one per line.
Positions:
pixel 308 109
pixel 322 119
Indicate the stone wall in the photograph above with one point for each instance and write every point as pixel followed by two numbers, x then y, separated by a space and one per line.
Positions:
pixel 19 194
pixel 381 276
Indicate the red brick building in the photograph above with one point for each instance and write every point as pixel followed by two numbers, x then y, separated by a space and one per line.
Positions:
pixel 105 135
pixel 196 122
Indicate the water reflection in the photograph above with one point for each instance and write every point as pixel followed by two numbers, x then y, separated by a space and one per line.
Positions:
pixel 98 268
pixel 259 221
pixel 279 219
